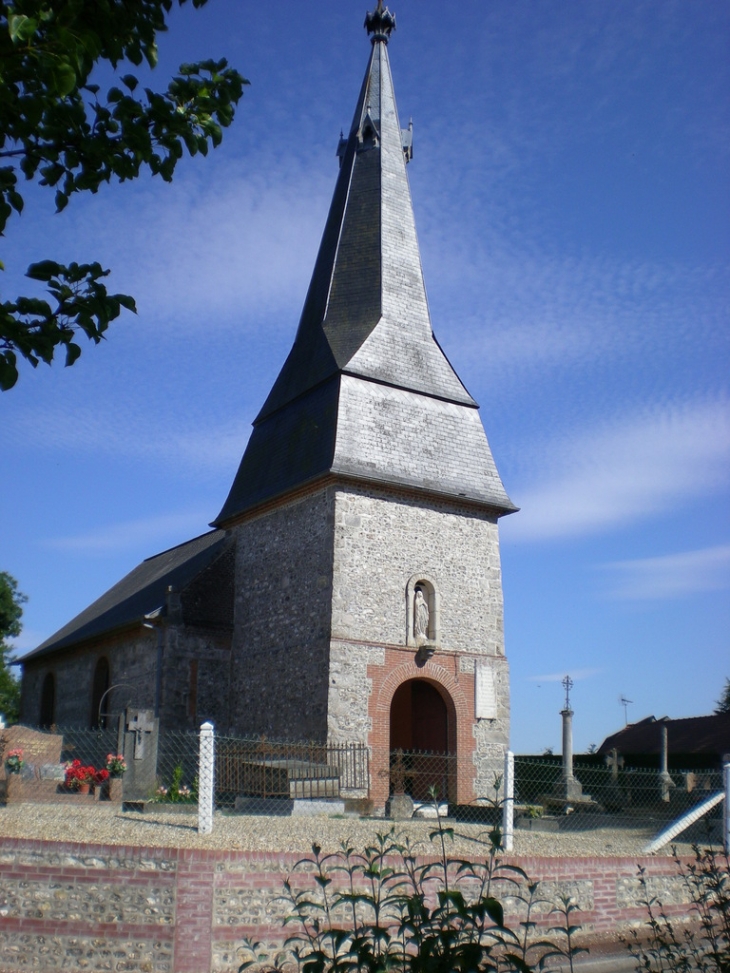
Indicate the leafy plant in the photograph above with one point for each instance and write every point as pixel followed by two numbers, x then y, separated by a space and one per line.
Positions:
pixel 385 909
pixel 703 944
pixel 11 611
pixel 177 792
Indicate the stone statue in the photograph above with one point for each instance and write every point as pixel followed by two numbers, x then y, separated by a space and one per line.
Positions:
pixel 420 616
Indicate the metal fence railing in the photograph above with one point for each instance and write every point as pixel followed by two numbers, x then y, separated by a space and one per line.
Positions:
pixel 266 776
pixel 263 769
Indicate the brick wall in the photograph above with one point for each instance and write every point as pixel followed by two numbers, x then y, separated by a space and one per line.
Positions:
pixel 75 906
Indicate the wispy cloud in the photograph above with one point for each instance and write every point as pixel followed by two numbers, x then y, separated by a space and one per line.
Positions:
pixel 220 248
pixel 28 639
pixel 529 315
pixel 672 575
pixel 617 474
pixel 575 674
pixel 166 530
pixel 202 448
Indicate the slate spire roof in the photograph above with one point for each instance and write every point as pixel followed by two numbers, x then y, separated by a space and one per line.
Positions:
pixel 366 390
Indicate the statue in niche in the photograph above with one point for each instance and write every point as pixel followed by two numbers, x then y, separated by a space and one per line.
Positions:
pixel 420 617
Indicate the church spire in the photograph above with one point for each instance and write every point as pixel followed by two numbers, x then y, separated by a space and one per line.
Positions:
pixel 365 333
pixel 366 311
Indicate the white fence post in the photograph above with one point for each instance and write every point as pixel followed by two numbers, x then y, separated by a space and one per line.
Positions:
pixel 726 814
pixel 508 806
pixel 205 778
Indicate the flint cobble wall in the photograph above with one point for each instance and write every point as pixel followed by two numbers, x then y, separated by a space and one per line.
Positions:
pixel 282 620
pixel 76 907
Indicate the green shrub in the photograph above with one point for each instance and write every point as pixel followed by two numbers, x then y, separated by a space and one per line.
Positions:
pixel 379 910
pixel 703 946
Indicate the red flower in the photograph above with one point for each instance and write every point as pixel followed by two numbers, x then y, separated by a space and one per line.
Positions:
pixel 77 774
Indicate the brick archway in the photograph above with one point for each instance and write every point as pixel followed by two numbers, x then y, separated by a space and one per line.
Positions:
pixel 460 725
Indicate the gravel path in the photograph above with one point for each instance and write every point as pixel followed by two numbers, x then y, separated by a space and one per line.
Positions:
pixel 109 825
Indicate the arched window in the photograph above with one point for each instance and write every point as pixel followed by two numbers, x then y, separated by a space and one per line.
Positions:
pixel 422 611
pixel 99 699
pixel 47 716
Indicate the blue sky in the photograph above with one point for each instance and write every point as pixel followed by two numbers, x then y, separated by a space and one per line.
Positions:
pixel 571 189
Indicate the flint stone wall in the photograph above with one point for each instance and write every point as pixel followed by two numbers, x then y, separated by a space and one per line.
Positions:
pixel 132 663
pixel 382 540
pixel 282 620
pixel 76 907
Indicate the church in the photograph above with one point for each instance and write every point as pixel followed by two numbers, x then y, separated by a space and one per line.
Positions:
pixel 350 590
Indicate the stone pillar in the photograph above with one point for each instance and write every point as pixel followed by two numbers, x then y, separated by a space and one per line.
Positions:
pixel 665 780
pixel 569 788
pixel 206 778
pixel 508 806
pixel 567 715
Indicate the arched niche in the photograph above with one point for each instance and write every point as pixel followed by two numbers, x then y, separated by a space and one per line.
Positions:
pixel 422 586
pixel 47 712
pixel 99 699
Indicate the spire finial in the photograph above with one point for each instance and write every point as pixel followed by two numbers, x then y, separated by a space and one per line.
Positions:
pixel 380 24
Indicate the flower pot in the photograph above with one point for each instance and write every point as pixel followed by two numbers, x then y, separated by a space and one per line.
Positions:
pixel 15 790
pixel 112 790
pixel 83 789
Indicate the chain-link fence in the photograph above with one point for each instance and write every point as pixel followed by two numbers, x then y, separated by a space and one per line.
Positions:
pixel 262 776
pixel 64 763
pixel 606 796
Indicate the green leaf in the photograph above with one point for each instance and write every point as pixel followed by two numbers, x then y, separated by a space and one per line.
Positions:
pixel 494 910
pixel 64 79
pixel 21 28
pixel 44 270
pixel 126 301
pixel 8 370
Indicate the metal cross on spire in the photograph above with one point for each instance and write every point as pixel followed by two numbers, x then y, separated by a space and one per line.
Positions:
pixel 380 23
pixel 567 685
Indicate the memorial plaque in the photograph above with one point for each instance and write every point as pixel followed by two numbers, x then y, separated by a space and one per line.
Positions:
pixel 486 694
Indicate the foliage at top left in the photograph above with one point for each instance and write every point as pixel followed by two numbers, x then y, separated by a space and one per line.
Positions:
pixel 58 129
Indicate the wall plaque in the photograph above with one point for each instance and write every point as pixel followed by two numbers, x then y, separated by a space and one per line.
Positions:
pixel 486 694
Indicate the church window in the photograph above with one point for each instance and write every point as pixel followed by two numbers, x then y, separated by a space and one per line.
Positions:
pixel 99 697
pixel 47 715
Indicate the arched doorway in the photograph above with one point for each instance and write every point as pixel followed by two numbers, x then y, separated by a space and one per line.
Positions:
pixel 47 716
pixel 100 686
pixel 419 740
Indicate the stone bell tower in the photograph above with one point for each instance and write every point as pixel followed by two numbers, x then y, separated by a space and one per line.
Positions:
pixel 368 585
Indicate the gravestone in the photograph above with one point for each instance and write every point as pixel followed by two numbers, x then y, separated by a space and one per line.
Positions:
pixel 38 748
pixel 137 741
